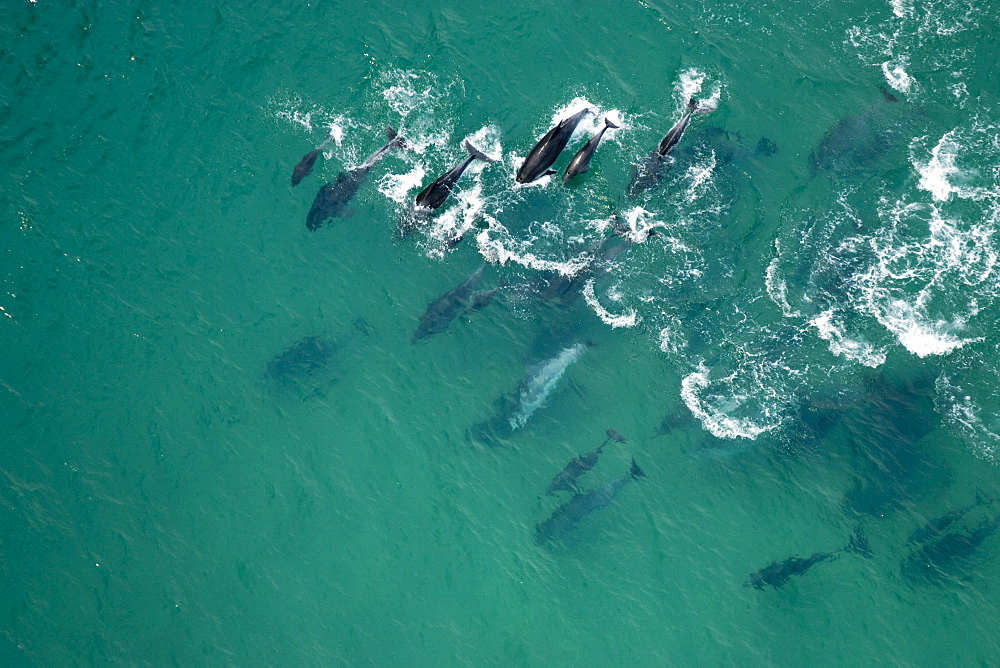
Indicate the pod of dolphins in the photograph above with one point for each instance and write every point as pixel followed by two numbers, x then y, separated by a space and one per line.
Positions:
pixel 940 550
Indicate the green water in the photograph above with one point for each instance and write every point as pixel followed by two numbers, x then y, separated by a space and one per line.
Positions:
pixel 802 353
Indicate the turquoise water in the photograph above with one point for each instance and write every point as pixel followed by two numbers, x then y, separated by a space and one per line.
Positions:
pixel 806 345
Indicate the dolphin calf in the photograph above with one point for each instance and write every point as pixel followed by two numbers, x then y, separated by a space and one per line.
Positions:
pixel 566 480
pixel 437 192
pixel 566 516
pixel 333 197
pixel 451 304
pixel 647 174
pixel 548 148
pixel 305 165
pixel 578 164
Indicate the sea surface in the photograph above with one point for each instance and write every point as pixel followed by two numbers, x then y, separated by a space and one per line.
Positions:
pixel 220 443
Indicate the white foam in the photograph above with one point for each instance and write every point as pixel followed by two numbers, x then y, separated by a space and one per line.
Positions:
pixel 715 414
pixel 397 187
pixel 936 172
pixel 776 287
pixel 639 223
pixel 840 344
pixel 700 176
pixel 895 74
pixel 498 246
pixel 671 340
pixel 918 333
pixel 630 318
pixel 689 83
pixel 963 415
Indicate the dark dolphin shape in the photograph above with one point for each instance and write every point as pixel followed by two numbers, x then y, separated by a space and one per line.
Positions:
pixel 305 165
pixel 647 174
pixel 437 192
pixel 548 148
pixel 858 142
pixel 333 197
pixel 777 574
pixel 577 466
pixel 303 358
pixel 579 162
pixel 451 304
pixel 950 556
pixel 566 516
pixel 935 528
pixel 563 289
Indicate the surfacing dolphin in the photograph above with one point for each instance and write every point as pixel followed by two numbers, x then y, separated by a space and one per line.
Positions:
pixel 334 196
pixel 578 164
pixel 647 174
pixel 303 169
pixel 437 192
pixel 548 148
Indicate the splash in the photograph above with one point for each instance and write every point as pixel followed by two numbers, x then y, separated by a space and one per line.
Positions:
pixel 627 319
pixel 716 404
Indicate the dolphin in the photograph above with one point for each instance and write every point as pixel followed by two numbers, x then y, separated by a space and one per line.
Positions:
pixel 332 197
pixel 647 174
pixel 777 574
pixel 578 165
pixel 858 142
pixel 548 148
pixel 935 528
pixel 451 304
pixel 566 480
pixel 538 385
pixel 437 192
pixel 951 556
pixel 513 409
pixel 566 516
pixel 562 289
pixel 305 165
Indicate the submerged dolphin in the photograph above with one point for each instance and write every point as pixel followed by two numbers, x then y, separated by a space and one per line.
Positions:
pixel 539 384
pixel 332 197
pixel 566 480
pixel 565 517
pixel 305 165
pixel 578 164
pixel 777 574
pixel 548 148
pixel 858 142
pixel 451 304
pixel 647 174
pixel 437 192
pixel 514 409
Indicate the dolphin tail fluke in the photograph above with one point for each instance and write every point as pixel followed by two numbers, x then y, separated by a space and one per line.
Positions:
pixel 610 124
pixel 395 140
pixel 692 104
pixel 635 471
pixel 476 153
pixel 858 544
